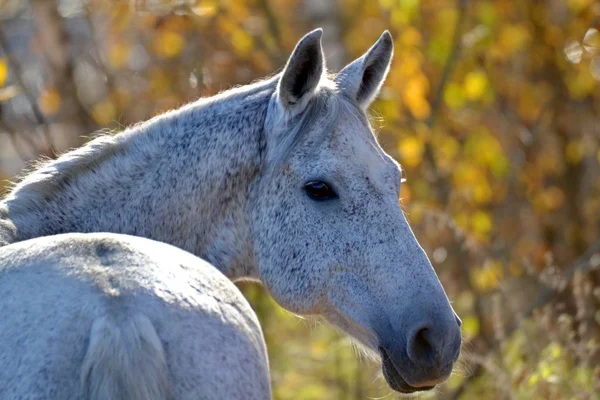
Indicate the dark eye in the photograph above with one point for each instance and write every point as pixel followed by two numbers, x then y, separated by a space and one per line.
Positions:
pixel 318 190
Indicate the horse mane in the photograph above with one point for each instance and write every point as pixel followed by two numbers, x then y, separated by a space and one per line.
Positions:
pixel 48 177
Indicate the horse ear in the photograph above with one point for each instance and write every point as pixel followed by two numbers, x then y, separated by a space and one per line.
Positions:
pixel 363 77
pixel 303 70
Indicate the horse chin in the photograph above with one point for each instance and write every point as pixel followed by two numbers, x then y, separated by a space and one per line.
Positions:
pixel 394 378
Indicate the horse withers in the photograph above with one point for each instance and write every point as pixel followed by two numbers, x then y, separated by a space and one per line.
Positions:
pixel 281 182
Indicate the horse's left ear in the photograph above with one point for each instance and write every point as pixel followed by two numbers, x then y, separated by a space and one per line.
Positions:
pixel 363 77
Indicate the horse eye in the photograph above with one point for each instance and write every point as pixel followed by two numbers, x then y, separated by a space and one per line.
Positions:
pixel 318 190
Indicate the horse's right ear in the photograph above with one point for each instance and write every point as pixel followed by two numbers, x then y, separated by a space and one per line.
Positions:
pixel 303 71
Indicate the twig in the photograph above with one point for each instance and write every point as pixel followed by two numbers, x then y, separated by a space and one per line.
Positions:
pixel 55 42
pixel 581 264
pixel 450 62
pixel 14 139
pixel 38 114
pixel 274 28
pixel 96 50
pixel 436 103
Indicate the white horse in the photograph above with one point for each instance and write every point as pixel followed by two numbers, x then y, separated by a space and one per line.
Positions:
pixel 282 182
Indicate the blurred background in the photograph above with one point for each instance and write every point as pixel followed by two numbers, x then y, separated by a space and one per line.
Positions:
pixel 491 106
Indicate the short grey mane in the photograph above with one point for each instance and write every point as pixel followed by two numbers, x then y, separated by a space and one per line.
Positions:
pixel 51 177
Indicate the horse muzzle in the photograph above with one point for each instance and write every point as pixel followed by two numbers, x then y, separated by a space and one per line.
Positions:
pixel 423 359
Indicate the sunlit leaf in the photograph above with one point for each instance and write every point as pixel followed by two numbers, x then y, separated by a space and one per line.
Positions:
pixel 481 223
pixel 482 192
pixel 118 55
pixel 581 83
pixel 575 151
pixel 50 101
pixel 514 38
pixel 168 44
pixel 104 112
pixel 242 42
pixel 454 95
pixel 3 72
pixel 410 37
pixel 476 84
pixel 387 4
pixel 411 150
pixel 470 326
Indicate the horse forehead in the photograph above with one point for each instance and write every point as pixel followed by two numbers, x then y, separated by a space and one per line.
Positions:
pixel 356 146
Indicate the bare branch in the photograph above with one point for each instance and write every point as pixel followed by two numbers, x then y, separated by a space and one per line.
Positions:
pixel 38 114
pixel 55 42
pixel 442 189
pixel 14 139
pixel 581 264
pixel 450 62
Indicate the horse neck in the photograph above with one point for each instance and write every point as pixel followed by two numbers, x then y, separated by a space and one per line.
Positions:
pixel 182 178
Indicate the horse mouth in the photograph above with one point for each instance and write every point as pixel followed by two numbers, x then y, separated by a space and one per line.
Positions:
pixel 394 378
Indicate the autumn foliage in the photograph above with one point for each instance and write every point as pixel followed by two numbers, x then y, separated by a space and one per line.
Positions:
pixel 491 106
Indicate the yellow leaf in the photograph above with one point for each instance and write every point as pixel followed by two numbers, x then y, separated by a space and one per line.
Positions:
pixel 454 95
pixel 206 8
pixel 482 192
pixel 241 41
pixel 513 38
pixel 581 83
pixel 533 380
pixel 414 96
pixel 387 4
pixel 410 37
pixel 446 148
pixel 476 83
pixel 554 350
pixel 466 175
pixel 49 101
pixel 411 149
pixel 470 326
pixel 104 112
pixel 168 44
pixel 409 66
pixel 3 72
pixel 575 151
pixel 481 222
pixel 419 108
pixel 399 17
pixel 118 55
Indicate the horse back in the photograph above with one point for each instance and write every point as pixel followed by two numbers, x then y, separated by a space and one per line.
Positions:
pixel 91 314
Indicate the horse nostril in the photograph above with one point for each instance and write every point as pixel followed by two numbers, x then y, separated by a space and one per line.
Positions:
pixel 420 348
